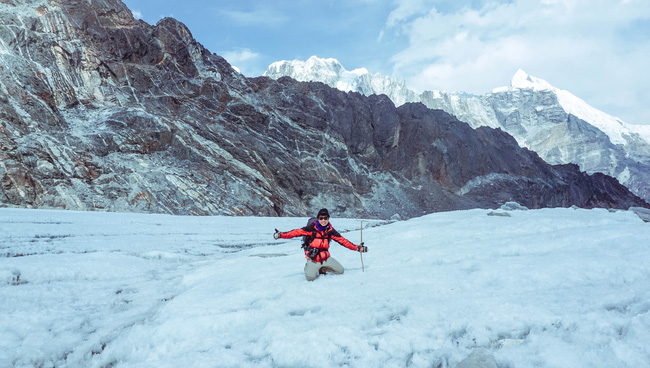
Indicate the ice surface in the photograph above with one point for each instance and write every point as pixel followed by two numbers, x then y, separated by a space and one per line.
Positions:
pixel 546 288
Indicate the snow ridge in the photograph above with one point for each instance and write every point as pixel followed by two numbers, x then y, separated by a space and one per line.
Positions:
pixel 331 72
pixel 615 129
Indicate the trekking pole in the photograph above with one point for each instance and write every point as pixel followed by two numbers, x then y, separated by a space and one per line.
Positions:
pixel 361 253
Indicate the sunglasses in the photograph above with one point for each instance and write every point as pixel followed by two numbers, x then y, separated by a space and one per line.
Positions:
pixel 324 218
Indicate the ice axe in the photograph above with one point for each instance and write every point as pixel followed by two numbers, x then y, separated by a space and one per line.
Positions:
pixel 361 253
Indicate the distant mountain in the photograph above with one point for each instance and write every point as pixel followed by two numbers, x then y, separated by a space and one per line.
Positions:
pixel 557 125
pixel 332 73
pixel 100 111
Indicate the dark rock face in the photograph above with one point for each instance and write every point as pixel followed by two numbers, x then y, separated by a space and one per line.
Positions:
pixel 99 111
pixel 539 116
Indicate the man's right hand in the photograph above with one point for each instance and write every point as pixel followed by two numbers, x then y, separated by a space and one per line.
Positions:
pixel 277 235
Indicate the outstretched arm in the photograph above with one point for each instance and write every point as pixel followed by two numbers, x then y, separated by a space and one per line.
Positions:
pixel 336 236
pixel 290 234
pixel 344 242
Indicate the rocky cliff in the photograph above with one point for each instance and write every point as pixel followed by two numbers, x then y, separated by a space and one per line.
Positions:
pixel 99 111
pixel 557 125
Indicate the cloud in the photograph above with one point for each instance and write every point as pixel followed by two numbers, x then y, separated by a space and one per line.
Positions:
pixel 584 46
pixel 137 14
pixel 408 9
pixel 260 15
pixel 244 60
pixel 240 55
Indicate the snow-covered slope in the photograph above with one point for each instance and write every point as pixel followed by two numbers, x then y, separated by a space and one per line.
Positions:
pixel 548 288
pixel 556 124
pixel 615 129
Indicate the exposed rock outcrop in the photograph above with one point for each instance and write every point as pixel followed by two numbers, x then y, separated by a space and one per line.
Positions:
pixel 99 111
pixel 554 123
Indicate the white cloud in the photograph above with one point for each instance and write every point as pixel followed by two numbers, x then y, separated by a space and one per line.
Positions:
pixel 260 15
pixel 243 60
pixel 576 45
pixel 407 9
pixel 137 14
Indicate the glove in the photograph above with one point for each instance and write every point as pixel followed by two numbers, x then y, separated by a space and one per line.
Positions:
pixel 277 234
pixel 362 248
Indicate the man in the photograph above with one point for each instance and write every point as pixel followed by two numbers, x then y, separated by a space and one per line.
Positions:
pixel 320 233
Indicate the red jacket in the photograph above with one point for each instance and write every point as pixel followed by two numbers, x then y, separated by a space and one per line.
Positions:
pixel 321 241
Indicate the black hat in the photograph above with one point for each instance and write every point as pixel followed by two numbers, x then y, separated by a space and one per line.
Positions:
pixel 323 212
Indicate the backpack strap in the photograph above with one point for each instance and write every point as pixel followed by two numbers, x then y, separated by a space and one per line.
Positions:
pixel 306 239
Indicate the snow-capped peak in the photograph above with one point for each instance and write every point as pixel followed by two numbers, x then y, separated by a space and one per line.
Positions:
pixel 314 69
pixel 331 72
pixel 633 141
pixel 522 80
pixel 610 125
pixel 328 63
pixel 360 71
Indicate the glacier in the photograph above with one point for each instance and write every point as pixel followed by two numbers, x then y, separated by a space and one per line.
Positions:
pixel 548 288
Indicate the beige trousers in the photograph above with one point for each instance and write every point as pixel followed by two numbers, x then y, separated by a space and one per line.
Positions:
pixel 312 268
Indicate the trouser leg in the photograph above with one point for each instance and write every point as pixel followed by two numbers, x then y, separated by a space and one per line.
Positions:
pixel 331 265
pixel 311 270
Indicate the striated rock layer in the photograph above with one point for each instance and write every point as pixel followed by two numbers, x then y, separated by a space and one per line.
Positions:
pixel 99 111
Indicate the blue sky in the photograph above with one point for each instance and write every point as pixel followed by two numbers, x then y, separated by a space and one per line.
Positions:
pixel 597 49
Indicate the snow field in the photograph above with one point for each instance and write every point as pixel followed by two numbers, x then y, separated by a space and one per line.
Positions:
pixel 548 288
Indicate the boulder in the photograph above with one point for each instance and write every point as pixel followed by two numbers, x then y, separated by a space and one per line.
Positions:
pixel 643 213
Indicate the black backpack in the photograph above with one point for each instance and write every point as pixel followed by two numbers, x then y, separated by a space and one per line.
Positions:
pixel 306 239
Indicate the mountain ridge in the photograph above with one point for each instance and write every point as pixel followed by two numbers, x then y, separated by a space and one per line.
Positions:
pixel 622 150
pixel 151 121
